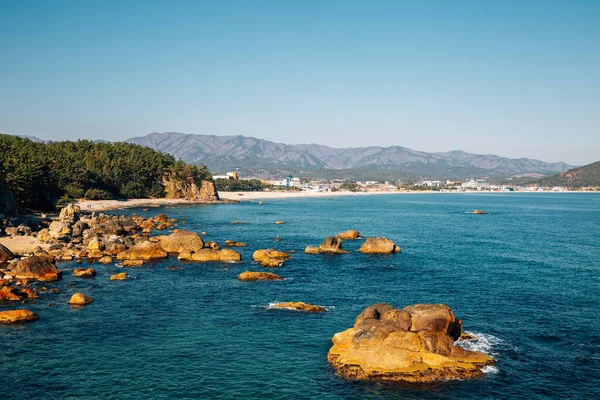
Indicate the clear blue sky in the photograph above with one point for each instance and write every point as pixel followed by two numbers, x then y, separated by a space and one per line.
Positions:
pixel 514 78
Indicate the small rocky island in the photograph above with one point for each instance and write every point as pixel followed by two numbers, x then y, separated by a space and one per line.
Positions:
pixel 414 344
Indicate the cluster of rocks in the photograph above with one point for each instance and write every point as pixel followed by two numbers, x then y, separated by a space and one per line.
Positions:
pixel 373 245
pixel 99 238
pixel 413 344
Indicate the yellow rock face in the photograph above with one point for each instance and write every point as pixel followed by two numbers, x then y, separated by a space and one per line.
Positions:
pixel 80 299
pixel 118 277
pixel 84 273
pixel 181 241
pixel 210 255
pixel 133 263
pixel 389 344
pixel 143 251
pixel 379 245
pixel 258 276
pixel 349 235
pixel 311 250
pixel 300 306
pixel 13 316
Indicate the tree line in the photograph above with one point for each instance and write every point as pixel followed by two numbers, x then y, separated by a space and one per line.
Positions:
pixel 43 174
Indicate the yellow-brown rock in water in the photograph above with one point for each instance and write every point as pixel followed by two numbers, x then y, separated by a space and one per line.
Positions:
pixel 118 277
pixel 8 293
pixel 133 263
pixel 414 344
pixel 311 250
pixel 143 251
pixel 212 245
pixel 208 255
pixel 332 245
pixel 79 299
pixel 379 245
pixel 30 293
pixel 299 306
pixel 478 212
pixel 181 240
pixel 84 273
pixel 349 235
pixel 233 243
pixel 35 267
pixel 258 276
pixel 12 316
pixel 279 222
pixel 105 260
pixel 270 257
pixel 5 254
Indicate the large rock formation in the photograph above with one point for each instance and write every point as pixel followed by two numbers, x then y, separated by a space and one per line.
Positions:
pixel 13 316
pixel 331 245
pixel 40 267
pixel 5 254
pixel 270 257
pixel 177 188
pixel 181 241
pixel 143 251
pixel 69 213
pixel 379 245
pixel 208 255
pixel 414 344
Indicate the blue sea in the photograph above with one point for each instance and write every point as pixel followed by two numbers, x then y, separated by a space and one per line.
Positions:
pixel 525 278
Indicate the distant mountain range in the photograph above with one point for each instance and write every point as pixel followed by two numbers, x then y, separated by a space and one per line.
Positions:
pixel 225 153
pixel 588 175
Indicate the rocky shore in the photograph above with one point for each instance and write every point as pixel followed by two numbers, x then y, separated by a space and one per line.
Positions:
pixel 412 344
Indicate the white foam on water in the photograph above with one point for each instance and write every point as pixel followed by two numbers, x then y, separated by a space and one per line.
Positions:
pixel 489 369
pixel 483 343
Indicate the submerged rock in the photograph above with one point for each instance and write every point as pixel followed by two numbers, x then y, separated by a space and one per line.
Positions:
pixel 80 299
pixel 258 276
pixel 414 344
pixel 13 316
pixel 299 306
pixel 379 245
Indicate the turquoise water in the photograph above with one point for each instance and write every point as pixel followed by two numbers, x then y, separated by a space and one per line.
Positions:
pixel 526 278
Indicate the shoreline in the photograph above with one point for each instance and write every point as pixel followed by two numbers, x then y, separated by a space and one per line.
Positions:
pixel 103 205
pixel 243 196
pixel 234 197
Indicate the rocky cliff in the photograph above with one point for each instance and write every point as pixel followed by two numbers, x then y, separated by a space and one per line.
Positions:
pixel 187 188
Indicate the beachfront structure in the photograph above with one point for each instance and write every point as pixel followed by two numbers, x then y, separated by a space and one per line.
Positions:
pixel 230 175
pixel 476 184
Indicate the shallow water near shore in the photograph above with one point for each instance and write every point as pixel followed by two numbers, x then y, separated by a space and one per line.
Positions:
pixel 525 278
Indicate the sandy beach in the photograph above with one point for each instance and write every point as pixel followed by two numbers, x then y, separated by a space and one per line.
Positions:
pixel 101 205
pixel 241 196
pixel 22 244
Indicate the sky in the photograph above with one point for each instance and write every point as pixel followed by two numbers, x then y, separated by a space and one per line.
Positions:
pixel 513 78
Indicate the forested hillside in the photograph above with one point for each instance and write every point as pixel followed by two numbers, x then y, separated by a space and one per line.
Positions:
pixel 42 174
pixel 586 176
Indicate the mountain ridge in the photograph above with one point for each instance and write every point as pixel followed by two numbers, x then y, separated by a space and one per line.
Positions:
pixel 221 153
pixel 584 176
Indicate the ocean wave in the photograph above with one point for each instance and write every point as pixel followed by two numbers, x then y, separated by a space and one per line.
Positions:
pixel 489 369
pixel 483 343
